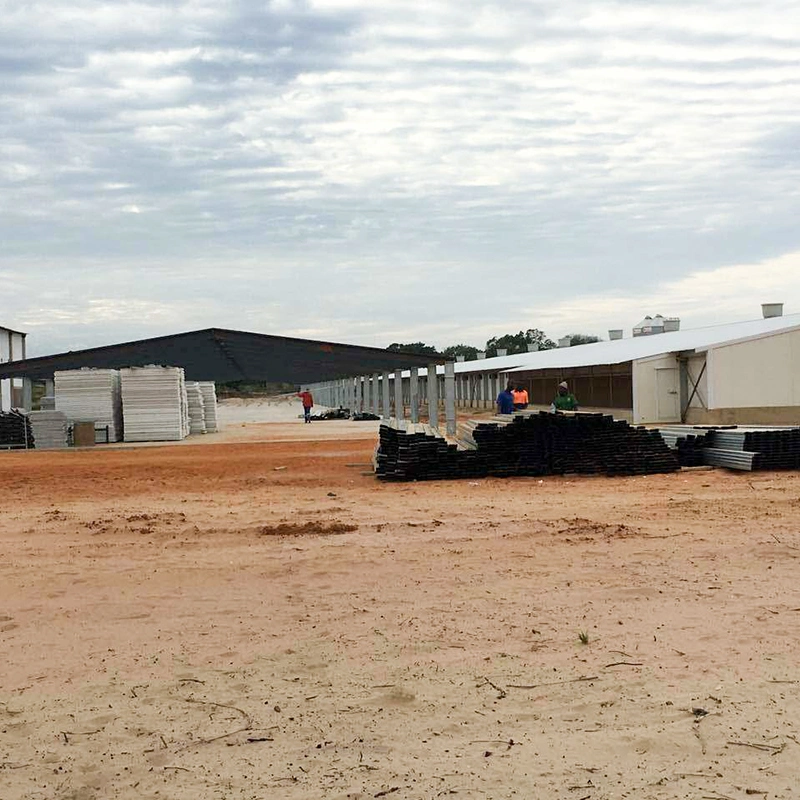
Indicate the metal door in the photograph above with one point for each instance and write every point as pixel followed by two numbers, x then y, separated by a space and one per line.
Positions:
pixel 668 407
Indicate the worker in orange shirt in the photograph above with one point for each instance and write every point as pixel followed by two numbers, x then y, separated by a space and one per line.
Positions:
pixel 520 398
pixel 308 403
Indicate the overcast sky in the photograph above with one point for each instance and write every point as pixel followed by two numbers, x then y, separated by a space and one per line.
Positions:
pixel 380 170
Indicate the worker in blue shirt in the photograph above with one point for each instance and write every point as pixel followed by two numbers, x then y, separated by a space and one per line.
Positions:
pixel 505 401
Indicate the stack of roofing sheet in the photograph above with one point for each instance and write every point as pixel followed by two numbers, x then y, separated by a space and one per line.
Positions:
pixel 91 395
pixel 49 429
pixel 154 403
pixel 15 430
pixel 197 422
pixel 209 391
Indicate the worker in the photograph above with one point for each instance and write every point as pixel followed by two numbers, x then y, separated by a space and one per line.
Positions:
pixel 308 403
pixel 505 401
pixel 520 398
pixel 564 400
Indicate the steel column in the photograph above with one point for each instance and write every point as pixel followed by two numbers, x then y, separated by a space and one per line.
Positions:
pixel 399 410
pixel 385 396
pixel 450 397
pixel 433 397
pixel 413 390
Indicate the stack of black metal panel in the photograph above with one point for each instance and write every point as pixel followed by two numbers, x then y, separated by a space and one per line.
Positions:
pixel 416 455
pixel 527 444
pixel 15 430
pixel 588 444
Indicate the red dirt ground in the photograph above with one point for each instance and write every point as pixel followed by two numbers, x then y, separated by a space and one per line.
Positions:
pixel 164 638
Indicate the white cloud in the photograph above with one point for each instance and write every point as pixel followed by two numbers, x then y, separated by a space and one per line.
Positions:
pixel 431 168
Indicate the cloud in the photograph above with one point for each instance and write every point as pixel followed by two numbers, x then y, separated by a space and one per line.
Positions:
pixel 369 170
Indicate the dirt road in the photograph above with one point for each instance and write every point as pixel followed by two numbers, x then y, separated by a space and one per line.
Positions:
pixel 264 621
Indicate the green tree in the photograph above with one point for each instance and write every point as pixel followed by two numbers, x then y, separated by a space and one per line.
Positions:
pixel 469 352
pixel 582 338
pixel 518 342
pixel 412 347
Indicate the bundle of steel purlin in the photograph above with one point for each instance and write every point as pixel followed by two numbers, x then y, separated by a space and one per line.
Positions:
pixel 531 444
pixel 750 448
pixel 689 444
pixel 15 431
pixel 768 448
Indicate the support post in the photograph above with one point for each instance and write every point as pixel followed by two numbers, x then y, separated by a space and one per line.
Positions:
pixel 376 388
pixel 399 409
pixel 385 396
pixel 450 397
pixel 433 398
pixel 27 394
pixel 413 389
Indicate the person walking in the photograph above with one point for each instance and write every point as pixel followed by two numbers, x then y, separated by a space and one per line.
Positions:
pixel 564 400
pixel 308 403
pixel 520 398
pixel 505 401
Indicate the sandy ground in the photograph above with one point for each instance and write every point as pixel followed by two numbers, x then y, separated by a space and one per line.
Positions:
pixel 263 620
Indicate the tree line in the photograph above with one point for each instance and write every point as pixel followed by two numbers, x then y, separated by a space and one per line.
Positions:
pixel 512 343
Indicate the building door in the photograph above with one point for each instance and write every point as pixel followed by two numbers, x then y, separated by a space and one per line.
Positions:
pixel 668 408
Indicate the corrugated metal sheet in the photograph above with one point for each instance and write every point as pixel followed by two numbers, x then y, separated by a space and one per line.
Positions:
pixel 217 354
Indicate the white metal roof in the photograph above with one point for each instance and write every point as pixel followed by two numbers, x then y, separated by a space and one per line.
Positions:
pixel 632 349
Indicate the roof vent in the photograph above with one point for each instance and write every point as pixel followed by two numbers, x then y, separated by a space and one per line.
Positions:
pixel 615 334
pixel 672 324
pixel 481 355
pixel 565 341
pixel 460 358
pixel 533 347
pixel 502 351
pixel 770 310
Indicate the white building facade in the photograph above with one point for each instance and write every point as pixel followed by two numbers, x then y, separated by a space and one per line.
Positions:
pixel 12 348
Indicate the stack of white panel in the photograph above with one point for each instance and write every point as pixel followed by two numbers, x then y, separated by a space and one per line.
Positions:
pixel 154 404
pixel 49 429
pixel 197 422
pixel 209 390
pixel 91 395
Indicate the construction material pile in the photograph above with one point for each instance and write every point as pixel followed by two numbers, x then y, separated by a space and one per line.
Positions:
pixel 155 404
pixel 688 444
pixel 735 447
pixel 418 453
pixel 50 429
pixel 364 416
pixel 194 396
pixel 333 413
pixel 91 395
pixel 535 443
pixel 209 392
pixel 15 430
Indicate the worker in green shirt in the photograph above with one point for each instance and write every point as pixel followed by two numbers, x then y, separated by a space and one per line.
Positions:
pixel 564 400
